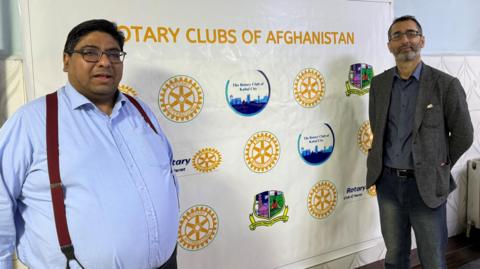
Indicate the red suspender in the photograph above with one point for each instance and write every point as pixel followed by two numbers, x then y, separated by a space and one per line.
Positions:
pixel 56 187
pixel 140 109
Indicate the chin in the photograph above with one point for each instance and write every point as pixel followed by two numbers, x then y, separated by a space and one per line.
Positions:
pixel 405 57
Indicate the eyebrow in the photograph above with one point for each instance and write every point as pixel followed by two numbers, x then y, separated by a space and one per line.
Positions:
pixel 95 47
pixel 416 30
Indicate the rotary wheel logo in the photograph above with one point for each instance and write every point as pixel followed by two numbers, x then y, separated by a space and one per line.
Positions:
pixel 262 152
pixel 372 191
pixel 180 98
pixel 322 199
pixel 365 137
pixel 206 160
pixel 197 228
pixel 128 90
pixel 309 87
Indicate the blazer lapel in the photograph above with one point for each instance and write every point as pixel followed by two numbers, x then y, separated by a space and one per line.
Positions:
pixel 424 91
pixel 384 94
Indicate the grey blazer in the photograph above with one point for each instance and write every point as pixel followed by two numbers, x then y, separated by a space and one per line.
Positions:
pixel 442 131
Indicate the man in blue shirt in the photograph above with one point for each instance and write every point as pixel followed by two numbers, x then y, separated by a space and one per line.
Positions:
pixel 120 194
pixel 421 126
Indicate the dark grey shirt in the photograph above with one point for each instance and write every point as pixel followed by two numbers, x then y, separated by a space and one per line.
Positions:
pixel 398 135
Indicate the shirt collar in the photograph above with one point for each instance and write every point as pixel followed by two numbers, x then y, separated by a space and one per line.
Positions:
pixel 416 73
pixel 77 100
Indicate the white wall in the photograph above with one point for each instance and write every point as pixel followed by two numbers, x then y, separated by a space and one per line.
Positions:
pixel 450 26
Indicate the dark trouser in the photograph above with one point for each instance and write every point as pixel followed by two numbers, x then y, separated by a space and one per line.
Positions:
pixel 171 263
pixel 401 209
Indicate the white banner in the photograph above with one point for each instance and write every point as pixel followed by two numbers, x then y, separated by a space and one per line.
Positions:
pixel 265 104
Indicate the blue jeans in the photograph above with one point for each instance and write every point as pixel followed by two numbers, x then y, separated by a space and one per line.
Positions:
pixel 402 208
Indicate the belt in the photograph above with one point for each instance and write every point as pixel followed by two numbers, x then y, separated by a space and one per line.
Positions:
pixel 401 172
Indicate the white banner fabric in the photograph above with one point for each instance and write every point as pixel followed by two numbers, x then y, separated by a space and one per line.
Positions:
pixel 265 104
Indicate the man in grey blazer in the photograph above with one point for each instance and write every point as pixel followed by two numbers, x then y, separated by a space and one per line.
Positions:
pixel 421 126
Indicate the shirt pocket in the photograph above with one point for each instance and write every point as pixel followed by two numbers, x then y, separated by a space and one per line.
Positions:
pixel 433 117
pixel 152 148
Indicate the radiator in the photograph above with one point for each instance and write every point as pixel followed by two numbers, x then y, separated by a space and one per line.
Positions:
pixel 473 194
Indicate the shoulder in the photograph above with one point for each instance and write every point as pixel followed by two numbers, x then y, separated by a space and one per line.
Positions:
pixel 33 111
pixel 134 100
pixel 26 126
pixel 384 75
pixel 437 74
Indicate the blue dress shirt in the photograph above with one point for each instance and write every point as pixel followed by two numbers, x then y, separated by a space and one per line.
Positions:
pixel 401 115
pixel 121 196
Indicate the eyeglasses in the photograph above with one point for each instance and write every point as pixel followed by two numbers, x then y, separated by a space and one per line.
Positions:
pixel 93 55
pixel 411 34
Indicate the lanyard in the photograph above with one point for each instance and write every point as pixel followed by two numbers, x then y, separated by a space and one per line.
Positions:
pixel 56 187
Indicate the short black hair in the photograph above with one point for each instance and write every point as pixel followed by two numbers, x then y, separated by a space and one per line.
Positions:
pixel 86 27
pixel 405 18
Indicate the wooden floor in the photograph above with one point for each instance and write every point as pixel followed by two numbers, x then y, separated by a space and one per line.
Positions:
pixel 461 250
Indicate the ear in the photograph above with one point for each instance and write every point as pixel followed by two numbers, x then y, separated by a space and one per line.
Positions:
pixel 388 45
pixel 66 60
pixel 422 41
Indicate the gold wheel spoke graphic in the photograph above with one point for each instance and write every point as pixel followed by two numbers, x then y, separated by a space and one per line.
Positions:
pixel 309 87
pixel 197 228
pixel 322 199
pixel 190 93
pixel 175 102
pixel 261 152
pixel 191 226
pixel 174 95
pixel 206 160
pixel 192 232
pixel 267 148
pixel 318 200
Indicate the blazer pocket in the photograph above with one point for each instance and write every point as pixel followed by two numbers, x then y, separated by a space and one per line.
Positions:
pixel 433 117
pixel 443 180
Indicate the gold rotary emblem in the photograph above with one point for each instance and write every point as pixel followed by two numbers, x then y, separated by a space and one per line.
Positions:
pixel 309 87
pixel 197 228
pixel 128 90
pixel 206 160
pixel 365 137
pixel 372 191
pixel 262 152
pixel 322 199
pixel 180 98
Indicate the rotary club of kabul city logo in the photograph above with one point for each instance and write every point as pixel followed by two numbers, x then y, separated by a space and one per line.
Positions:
pixel 262 152
pixel 309 87
pixel 197 228
pixel 180 98
pixel 322 199
pixel 365 137
pixel 315 144
pixel 127 90
pixel 207 160
pixel 248 92
pixel 268 208
pixel 359 79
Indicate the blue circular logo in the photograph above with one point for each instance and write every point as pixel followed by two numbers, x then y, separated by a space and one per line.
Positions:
pixel 315 144
pixel 248 92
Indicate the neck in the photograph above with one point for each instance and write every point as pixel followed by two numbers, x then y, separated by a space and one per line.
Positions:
pixel 106 107
pixel 406 68
pixel 104 102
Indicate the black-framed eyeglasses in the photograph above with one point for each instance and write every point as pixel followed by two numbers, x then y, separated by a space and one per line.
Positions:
pixel 93 55
pixel 410 34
